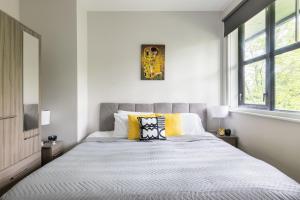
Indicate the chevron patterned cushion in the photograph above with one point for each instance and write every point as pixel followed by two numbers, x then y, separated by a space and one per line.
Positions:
pixel 152 128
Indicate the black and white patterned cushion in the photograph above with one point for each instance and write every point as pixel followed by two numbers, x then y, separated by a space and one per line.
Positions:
pixel 152 128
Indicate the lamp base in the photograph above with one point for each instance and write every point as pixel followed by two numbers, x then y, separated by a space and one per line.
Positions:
pixel 221 131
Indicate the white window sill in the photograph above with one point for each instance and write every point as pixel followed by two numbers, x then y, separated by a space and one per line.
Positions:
pixel 278 115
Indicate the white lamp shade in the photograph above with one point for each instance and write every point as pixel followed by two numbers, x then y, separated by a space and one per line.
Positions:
pixel 219 112
pixel 45 117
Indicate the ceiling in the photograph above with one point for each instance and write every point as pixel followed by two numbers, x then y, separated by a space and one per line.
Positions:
pixel 155 5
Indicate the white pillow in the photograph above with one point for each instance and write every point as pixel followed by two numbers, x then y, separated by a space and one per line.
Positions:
pixel 121 122
pixel 132 112
pixel 191 124
pixel 121 125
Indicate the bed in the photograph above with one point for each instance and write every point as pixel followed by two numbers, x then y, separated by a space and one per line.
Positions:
pixel 186 167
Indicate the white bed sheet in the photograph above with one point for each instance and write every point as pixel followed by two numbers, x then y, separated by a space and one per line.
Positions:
pixel 108 136
pixel 94 137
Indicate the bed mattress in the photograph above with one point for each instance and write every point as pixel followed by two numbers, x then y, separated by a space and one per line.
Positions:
pixel 181 168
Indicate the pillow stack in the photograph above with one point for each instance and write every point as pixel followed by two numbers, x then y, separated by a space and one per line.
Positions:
pixel 156 126
pixel 172 125
pixel 134 125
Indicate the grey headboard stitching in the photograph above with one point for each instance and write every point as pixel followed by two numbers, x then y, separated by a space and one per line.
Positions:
pixel 107 111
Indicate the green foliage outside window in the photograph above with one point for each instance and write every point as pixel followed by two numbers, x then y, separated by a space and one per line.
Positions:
pixel 287 81
pixel 255 82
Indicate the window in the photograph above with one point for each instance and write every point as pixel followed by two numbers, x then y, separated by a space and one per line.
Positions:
pixel 269 58
pixel 287 79
pixel 255 36
pixel 285 19
pixel 255 82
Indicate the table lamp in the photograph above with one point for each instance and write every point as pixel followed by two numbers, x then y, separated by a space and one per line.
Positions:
pixel 220 112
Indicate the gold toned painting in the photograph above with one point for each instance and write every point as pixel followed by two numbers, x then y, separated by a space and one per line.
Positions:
pixel 153 62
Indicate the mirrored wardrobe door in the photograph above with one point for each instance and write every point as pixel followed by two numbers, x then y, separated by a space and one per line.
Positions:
pixel 30 81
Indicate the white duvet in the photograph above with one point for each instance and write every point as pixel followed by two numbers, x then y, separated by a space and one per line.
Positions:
pixel 180 168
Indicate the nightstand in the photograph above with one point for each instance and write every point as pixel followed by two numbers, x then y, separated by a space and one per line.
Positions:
pixel 233 140
pixel 51 151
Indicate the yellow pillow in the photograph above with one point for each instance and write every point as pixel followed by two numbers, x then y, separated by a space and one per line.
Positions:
pixel 173 124
pixel 134 126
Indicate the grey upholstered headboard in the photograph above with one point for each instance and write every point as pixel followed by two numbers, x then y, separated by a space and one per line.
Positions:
pixel 107 111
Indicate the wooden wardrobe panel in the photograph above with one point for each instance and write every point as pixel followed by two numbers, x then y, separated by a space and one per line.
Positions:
pixel 1 91
pixel 18 93
pixel 8 78
pixel 8 68
pixel 7 149
pixel 31 144
pixel 1 145
pixel 15 144
pixel 11 89
pixel 7 91
pixel 9 142
pixel 37 144
pixel 16 68
pixel 13 141
pixel 1 62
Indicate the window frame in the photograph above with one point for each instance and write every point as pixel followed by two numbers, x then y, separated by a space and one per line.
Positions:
pixel 269 57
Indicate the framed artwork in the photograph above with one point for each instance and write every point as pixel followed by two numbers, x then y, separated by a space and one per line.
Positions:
pixel 153 62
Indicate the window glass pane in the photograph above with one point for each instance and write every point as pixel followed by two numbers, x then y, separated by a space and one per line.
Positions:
pixel 285 30
pixel 255 46
pixel 287 81
pixel 255 82
pixel 255 36
pixel 298 26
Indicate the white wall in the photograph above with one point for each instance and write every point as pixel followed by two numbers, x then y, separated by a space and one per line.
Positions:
pixel 193 58
pixel 82 65
pixel 274 141
pixel 10 7
pixel 56 21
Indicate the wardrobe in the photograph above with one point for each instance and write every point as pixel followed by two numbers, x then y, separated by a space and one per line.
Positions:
pixel 20 142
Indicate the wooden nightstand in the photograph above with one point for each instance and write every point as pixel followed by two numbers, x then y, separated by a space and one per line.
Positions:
pixel 51 151
pixel 233 140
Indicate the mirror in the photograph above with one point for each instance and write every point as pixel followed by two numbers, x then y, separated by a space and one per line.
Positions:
pixel 30 82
